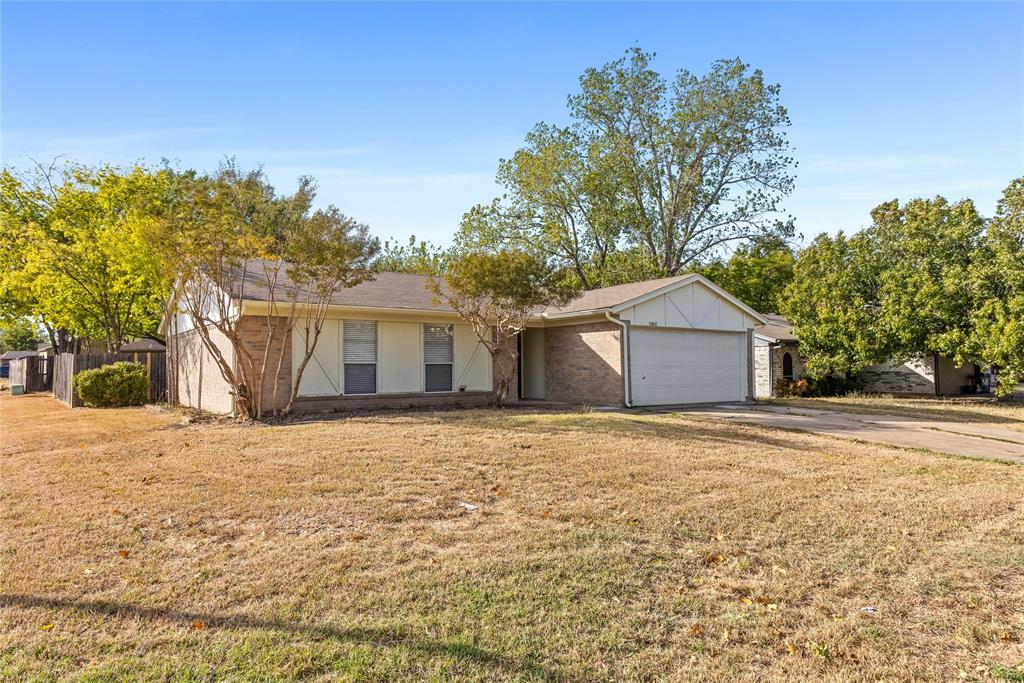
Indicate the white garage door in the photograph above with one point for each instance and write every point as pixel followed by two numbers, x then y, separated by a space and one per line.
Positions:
pixel 685 366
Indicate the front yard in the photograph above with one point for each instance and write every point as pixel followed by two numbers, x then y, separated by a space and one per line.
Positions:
pixel 496 545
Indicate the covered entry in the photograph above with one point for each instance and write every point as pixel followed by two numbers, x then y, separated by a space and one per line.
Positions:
pixel 687 366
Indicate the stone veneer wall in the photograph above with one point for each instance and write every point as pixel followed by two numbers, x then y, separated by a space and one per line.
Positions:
pixel 762 371
pixel 768 367
pixel 583 364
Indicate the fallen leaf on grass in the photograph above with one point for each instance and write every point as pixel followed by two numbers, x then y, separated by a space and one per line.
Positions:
pixel 46 627
pixel 123 553
pixel 697 630
pixel 197 625
pixel 791 648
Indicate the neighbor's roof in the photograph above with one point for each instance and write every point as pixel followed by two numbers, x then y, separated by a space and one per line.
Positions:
pixel 778 328
pixel 15 355
pixel 385 290
pixel 609 297
pixel 143 345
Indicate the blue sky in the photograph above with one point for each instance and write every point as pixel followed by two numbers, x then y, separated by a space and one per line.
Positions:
pixel 401 111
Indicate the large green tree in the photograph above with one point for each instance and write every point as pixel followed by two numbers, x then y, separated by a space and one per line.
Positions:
pixel 668 172
pixel 19 334
pixel 74 252
pixel 898 290
pixel 757 273
pixel 997 279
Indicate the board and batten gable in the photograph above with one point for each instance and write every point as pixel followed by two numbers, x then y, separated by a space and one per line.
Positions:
pixel 400 363
pixel 692 306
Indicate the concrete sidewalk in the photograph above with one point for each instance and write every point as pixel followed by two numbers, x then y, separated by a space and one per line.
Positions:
pixel 955 438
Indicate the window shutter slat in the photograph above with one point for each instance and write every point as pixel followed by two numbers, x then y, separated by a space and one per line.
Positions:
pixel 359 349
pixel 438 377
pixel 438 357
pixel 360 378
pixel 360 341
pixel 437 344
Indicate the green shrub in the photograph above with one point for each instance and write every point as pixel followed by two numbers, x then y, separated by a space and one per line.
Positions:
pixel 811 387
pixel 830 385
pixel 113 386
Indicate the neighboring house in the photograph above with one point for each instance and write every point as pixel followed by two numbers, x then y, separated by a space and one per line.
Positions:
pixel 143 345
pixel 776 356
pixel 7 356
pixel 387 341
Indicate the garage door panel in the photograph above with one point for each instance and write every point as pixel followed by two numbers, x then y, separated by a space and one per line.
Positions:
pixel 683 366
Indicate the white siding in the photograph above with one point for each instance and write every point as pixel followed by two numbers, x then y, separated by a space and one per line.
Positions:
pixel 693 306
pixel 472 361
pixel 400 361
pixel 322 376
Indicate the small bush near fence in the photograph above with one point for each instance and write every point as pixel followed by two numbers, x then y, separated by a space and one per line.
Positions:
pixel 113 386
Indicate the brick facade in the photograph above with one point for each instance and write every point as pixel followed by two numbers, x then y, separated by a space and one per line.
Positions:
pixel 912 377
pixel 254 332
pixel 583 364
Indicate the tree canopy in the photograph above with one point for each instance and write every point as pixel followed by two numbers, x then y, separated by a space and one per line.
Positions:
pixel 927 277
pixel 219 232
pixel 757 273
pixel 997 281
pixel 496 293
pixel 74 251
pixel 649 178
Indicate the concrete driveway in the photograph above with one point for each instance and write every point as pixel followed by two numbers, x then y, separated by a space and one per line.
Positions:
pixel 956 438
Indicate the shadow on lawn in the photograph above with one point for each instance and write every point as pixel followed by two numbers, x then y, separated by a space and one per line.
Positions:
pixel 380 637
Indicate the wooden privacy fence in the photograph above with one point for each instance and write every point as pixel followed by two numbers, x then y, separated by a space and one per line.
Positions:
pixel 35 373
pixel 67 365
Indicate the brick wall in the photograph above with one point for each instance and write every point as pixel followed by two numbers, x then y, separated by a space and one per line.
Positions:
pixel 254 333
pixel 912 377
pixel 583 363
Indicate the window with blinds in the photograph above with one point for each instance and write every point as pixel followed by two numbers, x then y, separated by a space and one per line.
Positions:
pixel 438 357
pixel 359 344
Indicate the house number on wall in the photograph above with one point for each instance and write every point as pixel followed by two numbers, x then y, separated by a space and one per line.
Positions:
pixel 653 324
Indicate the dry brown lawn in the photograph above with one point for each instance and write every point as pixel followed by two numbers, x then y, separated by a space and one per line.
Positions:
pixel 1008 414
pixel 603 546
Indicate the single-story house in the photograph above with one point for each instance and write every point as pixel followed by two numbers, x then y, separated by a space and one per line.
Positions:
pixel 388 341
pixel 776 356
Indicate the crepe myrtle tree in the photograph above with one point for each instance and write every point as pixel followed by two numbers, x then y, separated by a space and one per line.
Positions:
pixel 497 292
pixel 228 234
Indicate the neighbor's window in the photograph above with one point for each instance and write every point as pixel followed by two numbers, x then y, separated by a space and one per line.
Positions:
pixel 787 366
pixel 359 341
pixel 438 357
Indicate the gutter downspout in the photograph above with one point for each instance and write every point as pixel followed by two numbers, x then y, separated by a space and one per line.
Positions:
pixel 628 393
